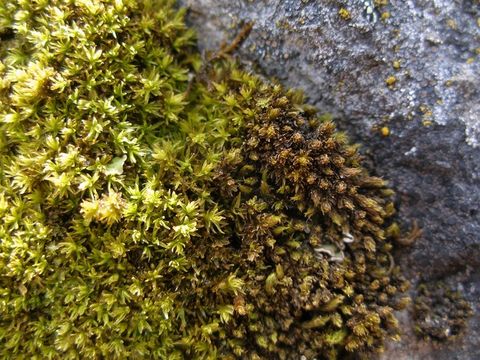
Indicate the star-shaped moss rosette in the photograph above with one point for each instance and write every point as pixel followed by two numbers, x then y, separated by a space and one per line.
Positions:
pixel 157 205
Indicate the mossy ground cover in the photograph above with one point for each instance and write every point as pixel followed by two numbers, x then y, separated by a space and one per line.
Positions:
pixel 155 204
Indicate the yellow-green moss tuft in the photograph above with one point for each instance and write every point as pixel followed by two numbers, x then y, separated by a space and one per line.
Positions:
pixel 157 206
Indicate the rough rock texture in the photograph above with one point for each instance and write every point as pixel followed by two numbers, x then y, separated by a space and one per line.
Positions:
pixel 403 81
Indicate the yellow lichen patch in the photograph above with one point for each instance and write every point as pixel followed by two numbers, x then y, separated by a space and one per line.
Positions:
pixel 452 24
pixel 425 110
pixel 344 14
pixel 380 3
pixel 390 81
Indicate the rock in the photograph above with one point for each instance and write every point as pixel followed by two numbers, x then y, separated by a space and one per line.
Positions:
pixel 402 78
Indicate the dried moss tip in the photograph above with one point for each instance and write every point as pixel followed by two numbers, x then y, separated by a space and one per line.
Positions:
pixel 157 205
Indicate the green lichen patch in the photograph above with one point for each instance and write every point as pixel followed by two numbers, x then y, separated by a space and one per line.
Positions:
pixel 440 313
pixel 155 205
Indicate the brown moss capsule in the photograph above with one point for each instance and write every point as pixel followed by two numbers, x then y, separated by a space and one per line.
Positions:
pixel 369 244
pixel 253 142
pixel 348 172
pixel 374 182
pixel 284 154
pixel 391 290
pixel 346 203
pixel 333 304
pixel 324 159
pixel 268 132
pixel 311 179
pixel 374 285
pixel 330 144
pixel 316 198
pixel 302 160
pixel 273 113
pixel 315 144
pixel 253 156
pixel 325 207
pixel 297 138
pixel 324 184
pixel 402 303
pixel 328 171
pixel 273 160
pixel 327 128
pixel 338 160
pixel 341 187
pixel 383 298
pixel 287 129
pixel 282 102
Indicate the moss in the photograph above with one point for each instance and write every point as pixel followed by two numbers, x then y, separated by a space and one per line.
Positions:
pixel 156 205
pixel 440 313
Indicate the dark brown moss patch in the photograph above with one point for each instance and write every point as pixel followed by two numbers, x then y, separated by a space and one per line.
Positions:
pixel 440 313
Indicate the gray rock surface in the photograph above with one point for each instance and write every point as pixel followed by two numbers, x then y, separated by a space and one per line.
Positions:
pixel 429 52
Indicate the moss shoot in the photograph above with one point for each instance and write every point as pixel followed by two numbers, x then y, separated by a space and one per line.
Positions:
pixel 157 205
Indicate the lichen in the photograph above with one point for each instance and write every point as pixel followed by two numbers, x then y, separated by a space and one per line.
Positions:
pixel 344 14
pixel 158 205
pixel 391 81
pixel 385 131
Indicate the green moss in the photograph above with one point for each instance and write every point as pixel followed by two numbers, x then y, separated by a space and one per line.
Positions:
pixel 440 313
pixel 157 206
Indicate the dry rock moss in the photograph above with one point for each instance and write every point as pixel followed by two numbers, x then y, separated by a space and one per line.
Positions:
pixel 156 205
pixel 440 313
